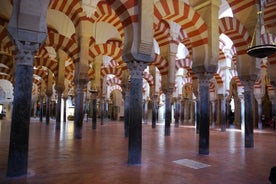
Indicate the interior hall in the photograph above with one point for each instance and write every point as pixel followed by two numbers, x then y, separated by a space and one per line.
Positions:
pixel 140 92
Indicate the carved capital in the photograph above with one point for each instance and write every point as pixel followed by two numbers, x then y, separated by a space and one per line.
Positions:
pixel 25 52
pixel 136 69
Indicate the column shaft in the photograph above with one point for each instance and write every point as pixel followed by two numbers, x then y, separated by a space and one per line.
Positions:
pixel 248 99
pixel 135 112
pixel 204 110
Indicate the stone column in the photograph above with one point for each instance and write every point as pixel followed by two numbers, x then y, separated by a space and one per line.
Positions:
pixel 145 111
pixel 242 113
pixel 65 97
pixel 168 111
pixel 49 92
pixel 213 105
pixel 48 99
pixel 135 111
pixel 102 109
pixel 177 112
pixel 222 110
pixel 58 107
pixel 19 134
pixel 154 110
pixel 126 109
pixel 94 93
pixel 197 115
pixel 248 98
pixel 259 101
pixel 79 112
pixel 28 30
pixel 41 97
pixel 204 110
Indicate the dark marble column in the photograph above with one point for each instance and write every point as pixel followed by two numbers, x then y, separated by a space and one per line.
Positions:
pixel 168 112
pixel 41 109
pixel 64 108
pixel 79 113
pixel 48 99
pixel 21 113
pixel 94 93
pixel 58 108
pixel 260 116
pixel 135 112
pixel 102 102
pixel 126 111
pixel 94 115
pixel 197 115
pixel 177 112
pixel 248 102
pixel 154 110
pixel 204 110
pixel 213 106
pixel 222 104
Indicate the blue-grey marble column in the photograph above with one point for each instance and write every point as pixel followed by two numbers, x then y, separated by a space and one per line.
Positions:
pixel 204 113
pixel 222 108
pixel 177 112
pixel 48 99
pixel 168 111
pixel 21 113
pixel 64 108
pixel 126 110
pixel 102 110
pixel 79 112
pixel 248 102
pixel 58 109
pixel 41 109
pixel 154 110
pixel 135 111
pixel 94 115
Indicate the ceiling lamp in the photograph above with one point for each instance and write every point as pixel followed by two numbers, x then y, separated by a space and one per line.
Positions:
pixel 262 50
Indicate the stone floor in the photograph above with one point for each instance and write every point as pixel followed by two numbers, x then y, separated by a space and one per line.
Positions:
pixel 100 157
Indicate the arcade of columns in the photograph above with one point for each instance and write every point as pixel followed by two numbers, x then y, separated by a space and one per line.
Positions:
pixel 205 99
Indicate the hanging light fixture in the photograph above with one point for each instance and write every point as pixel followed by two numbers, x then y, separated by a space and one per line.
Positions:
pixel 264 49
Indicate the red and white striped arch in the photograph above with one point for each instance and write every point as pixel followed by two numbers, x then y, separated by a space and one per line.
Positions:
pixel 238 5
pixel 115 87
pixel 6 60
pixel 161 63
pixel 106 49
pixel 115 41
pixel 125 10
pixel 236 32
pixel 162 33
pixel 91 73
pixel 148 77
pixel 270 14
pixel 268 38
pixel 6 44
pixel 184 63
pixel 71 8
pixel 113 81
pixel 42 53
pixel 6 77
pixel 105 13
pixel 184 39
pixel 41 73
pixel 66 44
pixel 5 70
pixel 115 71
pixel 185 16
pixel 48 63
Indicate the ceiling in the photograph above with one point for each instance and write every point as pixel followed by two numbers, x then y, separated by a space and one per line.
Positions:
pixel 106 30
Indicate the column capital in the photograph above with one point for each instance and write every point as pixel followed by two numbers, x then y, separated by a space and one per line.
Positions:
pixel 25 52
pixel 137 68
